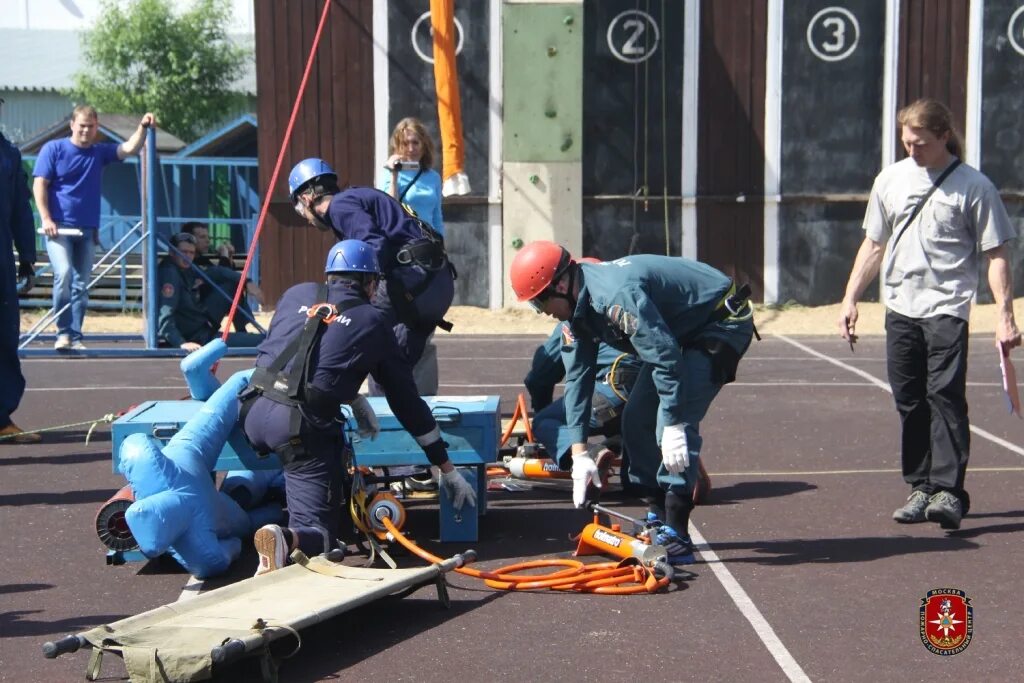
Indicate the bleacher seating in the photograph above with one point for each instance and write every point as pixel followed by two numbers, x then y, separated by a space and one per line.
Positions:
pixel 107 294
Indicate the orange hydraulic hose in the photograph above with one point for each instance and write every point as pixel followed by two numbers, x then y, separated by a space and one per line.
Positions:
pixel 277 167
pixel 607 578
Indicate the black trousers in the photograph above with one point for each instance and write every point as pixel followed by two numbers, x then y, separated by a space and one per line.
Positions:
pixel 927 365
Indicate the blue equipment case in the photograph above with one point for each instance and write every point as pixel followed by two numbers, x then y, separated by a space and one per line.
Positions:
pixel 163 419
pixel 469 425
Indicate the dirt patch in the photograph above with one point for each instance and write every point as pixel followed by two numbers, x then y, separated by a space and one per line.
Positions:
pixel 790 320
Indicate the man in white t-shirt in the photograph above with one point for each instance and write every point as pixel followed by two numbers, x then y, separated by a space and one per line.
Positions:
pixel 929 219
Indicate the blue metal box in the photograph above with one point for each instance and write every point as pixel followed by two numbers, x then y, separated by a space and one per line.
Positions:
pixel 469 425
pixel 163 419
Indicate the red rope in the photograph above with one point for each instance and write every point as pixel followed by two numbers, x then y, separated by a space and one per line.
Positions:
pixel 277 168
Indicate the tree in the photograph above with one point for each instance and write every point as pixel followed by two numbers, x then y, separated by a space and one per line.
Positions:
pixel 142 57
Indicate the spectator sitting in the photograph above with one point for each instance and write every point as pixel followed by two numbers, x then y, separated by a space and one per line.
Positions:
pixel 223 274
pixel 184 321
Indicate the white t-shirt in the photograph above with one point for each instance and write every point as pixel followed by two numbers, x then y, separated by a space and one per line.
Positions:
pixel 934 267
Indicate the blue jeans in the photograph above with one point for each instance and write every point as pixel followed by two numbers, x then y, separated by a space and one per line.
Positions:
pixel 71 259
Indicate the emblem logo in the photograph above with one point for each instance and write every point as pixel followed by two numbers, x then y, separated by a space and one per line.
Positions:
pixel 167 290
pixel 947 621
pixel 623 319
pixel 567 338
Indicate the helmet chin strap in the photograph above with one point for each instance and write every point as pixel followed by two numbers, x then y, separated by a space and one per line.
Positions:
pixel 569 295
pixel 317 220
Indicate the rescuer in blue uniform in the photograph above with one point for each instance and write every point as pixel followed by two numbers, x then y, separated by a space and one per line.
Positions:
pixel 16 227
pixel 419 281
pixel 687 323
pixel 323 342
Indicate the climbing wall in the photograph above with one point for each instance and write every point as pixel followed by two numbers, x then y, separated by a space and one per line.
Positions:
pixel 542 47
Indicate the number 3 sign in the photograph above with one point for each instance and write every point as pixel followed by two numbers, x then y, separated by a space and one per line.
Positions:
pixel 832 34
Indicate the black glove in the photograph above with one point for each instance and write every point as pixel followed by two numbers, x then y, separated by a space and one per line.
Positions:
pixel 26 278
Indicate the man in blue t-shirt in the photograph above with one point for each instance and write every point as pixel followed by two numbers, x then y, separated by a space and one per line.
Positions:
pixel 68 175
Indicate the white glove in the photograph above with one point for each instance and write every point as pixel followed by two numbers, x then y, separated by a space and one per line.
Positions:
pixel 584 473
pixel 367 425
pixel 458 488
pixel 674 453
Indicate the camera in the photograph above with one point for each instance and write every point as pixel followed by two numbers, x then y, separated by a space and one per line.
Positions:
pixel 404 166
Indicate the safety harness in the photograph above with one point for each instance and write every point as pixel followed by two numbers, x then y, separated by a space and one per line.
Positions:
pixel 735 305
pixel 428 253
pixel 289 388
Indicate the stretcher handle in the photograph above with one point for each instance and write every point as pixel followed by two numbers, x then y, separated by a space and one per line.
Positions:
pixel 52 650
pixel 230 651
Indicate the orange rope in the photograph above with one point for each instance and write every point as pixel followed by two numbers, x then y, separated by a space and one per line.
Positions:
pixel 606 578
pixel 277 167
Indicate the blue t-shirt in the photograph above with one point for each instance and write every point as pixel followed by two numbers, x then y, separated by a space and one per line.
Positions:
pixel 424 197
pixel 75 176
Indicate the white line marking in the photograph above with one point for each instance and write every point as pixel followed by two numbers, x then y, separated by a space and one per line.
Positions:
pixel 806 473
pixel 885 387
pixel 748 609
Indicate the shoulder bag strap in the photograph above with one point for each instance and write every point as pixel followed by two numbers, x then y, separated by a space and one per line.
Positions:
pixel 412 182
pixel 924 200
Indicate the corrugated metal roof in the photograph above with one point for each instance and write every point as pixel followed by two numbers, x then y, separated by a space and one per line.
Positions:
pixel 40 59
pixel 113 128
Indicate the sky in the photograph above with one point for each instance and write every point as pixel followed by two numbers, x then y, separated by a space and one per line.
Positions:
pixel 76 15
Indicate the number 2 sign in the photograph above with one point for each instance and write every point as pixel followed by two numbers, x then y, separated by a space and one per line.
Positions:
pixel 633 36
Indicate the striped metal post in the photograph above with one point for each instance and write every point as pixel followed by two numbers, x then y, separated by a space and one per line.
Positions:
pixel 150 278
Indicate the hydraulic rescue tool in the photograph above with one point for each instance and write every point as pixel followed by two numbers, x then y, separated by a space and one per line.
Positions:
pixel 611 540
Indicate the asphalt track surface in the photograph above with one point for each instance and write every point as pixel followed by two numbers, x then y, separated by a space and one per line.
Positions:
pixel 802 574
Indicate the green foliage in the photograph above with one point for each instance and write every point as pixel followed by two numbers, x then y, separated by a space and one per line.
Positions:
pixel 143 57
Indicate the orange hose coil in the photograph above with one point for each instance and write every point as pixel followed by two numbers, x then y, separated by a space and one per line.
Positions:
pixel 606 578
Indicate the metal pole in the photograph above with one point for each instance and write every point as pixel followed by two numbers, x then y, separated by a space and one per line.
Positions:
pixel 151 304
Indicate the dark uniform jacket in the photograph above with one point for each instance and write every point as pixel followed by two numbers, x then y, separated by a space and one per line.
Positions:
pixel 359 342
pixel 377 218
pixel 653 307
pixel 548 367
pixel 182 316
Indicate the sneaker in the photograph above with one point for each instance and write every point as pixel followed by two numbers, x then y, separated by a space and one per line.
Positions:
pixel 270 544
pixel 77 345
pixel 913 511
pixel 679 547
pixel 421 481
pixel 63 342
pixel 12 433
pixel 944 508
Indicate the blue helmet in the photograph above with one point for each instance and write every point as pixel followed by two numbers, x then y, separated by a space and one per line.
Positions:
pixel 352 256
pixel 307 170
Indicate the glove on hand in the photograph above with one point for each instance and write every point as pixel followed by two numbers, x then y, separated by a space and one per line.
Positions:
pixel 458 488
pixel 27 274
pixel 584 474
pixel 674 453
pixel 367 425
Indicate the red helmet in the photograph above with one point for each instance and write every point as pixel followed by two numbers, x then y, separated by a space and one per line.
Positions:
pixel 536 266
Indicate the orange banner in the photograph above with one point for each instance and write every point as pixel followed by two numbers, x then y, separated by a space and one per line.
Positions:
pixel 449 108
